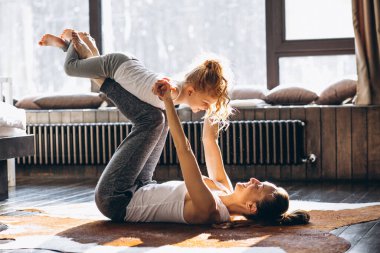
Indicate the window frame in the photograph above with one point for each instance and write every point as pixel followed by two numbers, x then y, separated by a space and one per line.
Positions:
pixel 278 46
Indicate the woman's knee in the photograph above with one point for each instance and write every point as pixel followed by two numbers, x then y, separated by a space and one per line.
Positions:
pixel 157 119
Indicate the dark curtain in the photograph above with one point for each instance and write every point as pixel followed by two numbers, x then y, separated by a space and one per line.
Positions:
pixel 366 20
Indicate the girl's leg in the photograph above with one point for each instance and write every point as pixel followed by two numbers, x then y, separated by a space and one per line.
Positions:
pixel 119 179
pixel 103 66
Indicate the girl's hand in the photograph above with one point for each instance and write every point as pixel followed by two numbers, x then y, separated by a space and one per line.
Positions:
pixel 162 88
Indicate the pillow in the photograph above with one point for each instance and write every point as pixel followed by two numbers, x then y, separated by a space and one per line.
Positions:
pixel 247 103
pixel 290 96
pixel 337 92
pixel 28 103
pixel 69 101
pixel 11 116
pixel 247 92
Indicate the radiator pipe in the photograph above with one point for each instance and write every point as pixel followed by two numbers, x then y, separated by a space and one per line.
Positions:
pixel 311 158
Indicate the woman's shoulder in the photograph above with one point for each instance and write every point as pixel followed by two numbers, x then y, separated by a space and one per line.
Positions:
pixel 215 185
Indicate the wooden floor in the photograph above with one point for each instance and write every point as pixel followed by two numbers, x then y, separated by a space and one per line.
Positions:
pixel 44 191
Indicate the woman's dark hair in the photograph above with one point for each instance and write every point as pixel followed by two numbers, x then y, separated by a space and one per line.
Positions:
pixel 273 210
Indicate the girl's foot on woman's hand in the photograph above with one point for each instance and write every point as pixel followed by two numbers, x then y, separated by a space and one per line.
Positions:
pixel 67 34
pixel 90 42
pixel 82 49
pixel 52 40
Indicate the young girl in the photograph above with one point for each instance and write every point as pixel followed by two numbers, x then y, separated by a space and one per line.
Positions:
pixel 204 88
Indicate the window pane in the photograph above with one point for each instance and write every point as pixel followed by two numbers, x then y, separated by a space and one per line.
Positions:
pixel 318 19
pixel 168 34
pixel 33 68
pixel 316 72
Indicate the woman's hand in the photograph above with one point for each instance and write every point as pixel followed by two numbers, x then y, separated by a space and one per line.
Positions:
pixel 162 88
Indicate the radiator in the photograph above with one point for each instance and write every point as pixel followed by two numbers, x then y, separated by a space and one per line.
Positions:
pixel 244 142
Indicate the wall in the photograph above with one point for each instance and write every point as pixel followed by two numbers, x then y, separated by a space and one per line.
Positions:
pixel 345 139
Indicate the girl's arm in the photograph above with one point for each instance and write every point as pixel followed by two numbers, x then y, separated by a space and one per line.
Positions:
pixel 201 196
pixel 214 161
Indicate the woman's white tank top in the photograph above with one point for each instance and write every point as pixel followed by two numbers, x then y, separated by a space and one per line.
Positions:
pixel 164 203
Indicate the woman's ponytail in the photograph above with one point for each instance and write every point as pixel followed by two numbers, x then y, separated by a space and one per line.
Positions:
pixel 298 217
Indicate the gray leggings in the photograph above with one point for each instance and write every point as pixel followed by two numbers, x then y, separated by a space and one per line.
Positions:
pixel 103 66
pixel 135 160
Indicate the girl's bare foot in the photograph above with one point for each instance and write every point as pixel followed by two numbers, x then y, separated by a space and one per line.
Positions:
pixel 90 42
pixel 67 34
pixel 82 49
pixel 52 40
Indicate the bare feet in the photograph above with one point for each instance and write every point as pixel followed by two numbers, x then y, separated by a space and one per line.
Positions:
pixel 52 40
pixel 67 34
pixel 90 42
pixel 82 49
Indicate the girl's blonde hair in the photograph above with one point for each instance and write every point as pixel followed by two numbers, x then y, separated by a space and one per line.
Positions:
pixel 209 77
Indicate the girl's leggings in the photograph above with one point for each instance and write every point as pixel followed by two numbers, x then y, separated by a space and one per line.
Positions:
pixel 103 66
pixel 135 160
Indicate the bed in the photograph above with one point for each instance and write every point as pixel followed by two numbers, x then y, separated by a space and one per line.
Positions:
pixel 14 141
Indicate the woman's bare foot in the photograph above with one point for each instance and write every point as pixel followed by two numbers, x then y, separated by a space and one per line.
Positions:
pixel 82 49
pixel 67 34
pixel 90 42
pixel 52 40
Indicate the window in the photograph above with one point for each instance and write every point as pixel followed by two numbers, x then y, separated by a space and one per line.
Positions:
pixel 308 44
pixel 166 35
pixel 317 72
pixel 322 19
pixel 34 69
pixel 262 38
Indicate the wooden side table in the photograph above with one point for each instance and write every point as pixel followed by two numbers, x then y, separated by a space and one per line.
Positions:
pixel 11 147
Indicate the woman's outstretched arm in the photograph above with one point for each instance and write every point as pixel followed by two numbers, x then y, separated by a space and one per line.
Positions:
pixel 201 196
pixel 214 160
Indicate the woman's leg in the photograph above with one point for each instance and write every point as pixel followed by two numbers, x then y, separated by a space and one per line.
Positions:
pixel 146 173
pixel 119 179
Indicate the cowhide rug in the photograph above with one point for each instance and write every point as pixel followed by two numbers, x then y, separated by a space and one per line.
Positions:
pixel 81 228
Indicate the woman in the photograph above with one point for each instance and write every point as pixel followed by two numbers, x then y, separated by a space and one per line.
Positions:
pixel 197 199
pixel 202 200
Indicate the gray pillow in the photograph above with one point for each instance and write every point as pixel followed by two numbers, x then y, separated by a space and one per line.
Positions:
pixel 28 103
pixel 337 92
pixel 69 101
pixel 290 96
pixel 247 92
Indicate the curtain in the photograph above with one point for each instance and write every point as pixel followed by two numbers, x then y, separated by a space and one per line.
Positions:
pixel 366 20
